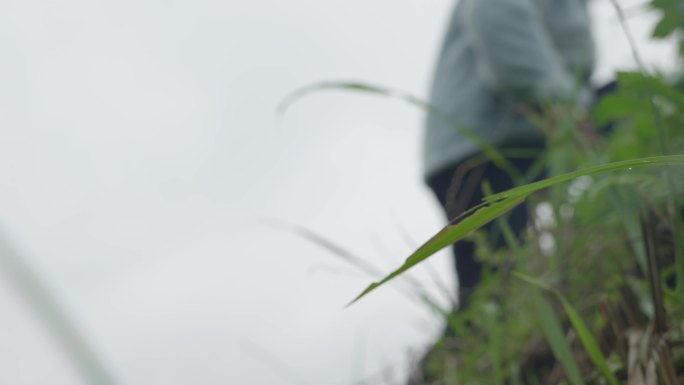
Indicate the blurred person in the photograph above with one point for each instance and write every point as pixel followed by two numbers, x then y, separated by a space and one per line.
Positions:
pixel 499 59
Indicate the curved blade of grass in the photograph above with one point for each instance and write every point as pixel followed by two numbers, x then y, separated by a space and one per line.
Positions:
pixel 495 334
pixel 662 132
pixel 497 204
pixel 588 341
pixel 665 160
pixel 326 243
pixel 413 292
pixel 273 362
pixel 50 312
pixel 450 234
pixel 554 334
pixel 489 150
pixel 551 325
pixel 590 344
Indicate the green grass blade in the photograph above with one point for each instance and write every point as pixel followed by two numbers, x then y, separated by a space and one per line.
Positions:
pixel 665 160
pixel 533 281
pixel 679 251
pixel 349 86
pixel 490 151
pixel 50 312
pixel 495 333
pixel 413 292
pixel 448 235
pixel 549 322
pixel 554 334
pixel 497 204
pixel 591 346
pixel 335 249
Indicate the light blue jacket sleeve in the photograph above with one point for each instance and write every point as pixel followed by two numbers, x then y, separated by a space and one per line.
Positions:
pixel 516 53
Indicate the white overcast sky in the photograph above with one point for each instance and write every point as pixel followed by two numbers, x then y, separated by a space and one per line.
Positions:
pixel 140 155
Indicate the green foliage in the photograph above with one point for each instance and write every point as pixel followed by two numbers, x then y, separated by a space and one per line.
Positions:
pixel 672 17
pixel 608 250
pixel 671 21
pixel 590 344
pixel 497 204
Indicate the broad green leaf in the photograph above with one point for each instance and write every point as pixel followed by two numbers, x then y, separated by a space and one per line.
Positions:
pixel 614 107
pixel 639 84
pixel 668 24
pixel 672 17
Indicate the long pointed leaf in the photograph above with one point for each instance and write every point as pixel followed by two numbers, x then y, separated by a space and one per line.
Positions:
pixel 488 149
pixel 497 204
pixel 666 160
pixel 550 323
pixel 48 309
pixel 588 341
pixel 448 235
pixel 554 334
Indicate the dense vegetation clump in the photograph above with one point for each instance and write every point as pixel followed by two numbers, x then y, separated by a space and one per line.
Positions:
pixel 594 293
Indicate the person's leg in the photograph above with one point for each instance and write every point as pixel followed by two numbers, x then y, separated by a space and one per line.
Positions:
pixel 459 188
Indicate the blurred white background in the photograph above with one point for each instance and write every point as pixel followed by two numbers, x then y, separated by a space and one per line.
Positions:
pixel 140 155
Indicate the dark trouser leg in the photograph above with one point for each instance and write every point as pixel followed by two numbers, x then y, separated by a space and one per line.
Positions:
pixel 459 188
